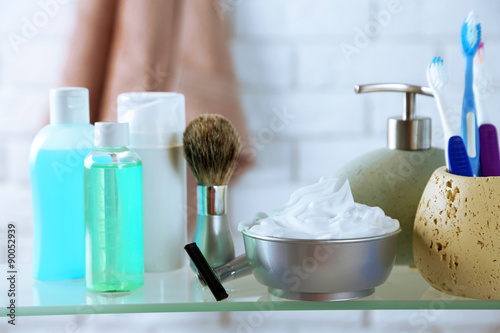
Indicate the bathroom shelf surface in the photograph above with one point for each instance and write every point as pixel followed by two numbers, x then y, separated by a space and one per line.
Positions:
pixel 180 291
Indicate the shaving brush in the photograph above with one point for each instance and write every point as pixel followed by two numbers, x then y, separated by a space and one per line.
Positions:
pixel 211 147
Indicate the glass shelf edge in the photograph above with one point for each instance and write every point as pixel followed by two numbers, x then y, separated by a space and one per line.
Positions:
pixel 262 306
pixel 404 290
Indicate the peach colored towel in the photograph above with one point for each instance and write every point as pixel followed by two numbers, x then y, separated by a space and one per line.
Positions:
pixel 155 45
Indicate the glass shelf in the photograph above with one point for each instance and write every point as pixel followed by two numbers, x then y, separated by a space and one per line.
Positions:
pixel 179 291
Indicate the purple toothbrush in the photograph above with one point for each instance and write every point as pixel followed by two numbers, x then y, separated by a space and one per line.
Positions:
pixel 489 153
pixel 488 138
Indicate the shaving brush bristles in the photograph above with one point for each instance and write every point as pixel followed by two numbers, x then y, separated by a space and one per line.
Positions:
pixel 211 147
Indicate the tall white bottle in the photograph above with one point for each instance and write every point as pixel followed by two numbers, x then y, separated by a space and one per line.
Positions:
pixel 157 121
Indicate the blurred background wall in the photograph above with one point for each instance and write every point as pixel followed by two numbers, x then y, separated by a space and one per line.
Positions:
pixel 297 62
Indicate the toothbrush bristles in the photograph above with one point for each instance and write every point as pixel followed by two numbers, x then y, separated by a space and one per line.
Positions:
pixel 472 17
pixel 471 34
pixel 438 76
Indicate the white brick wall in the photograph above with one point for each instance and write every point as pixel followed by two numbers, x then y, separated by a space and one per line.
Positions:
pixel 288 58
pixel 309 113
pixel 16 106
pixel 24 71
pixel 263 66
pixel 297 19
pixel 320 66
pixel 320 158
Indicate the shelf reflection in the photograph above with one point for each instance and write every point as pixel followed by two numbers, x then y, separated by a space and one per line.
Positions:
pixel 180 291
pixel 171 287
pixel 59 293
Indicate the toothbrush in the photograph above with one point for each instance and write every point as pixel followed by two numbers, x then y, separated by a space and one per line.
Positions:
pixel 471 36
pixel 457 160
pixel 489 154
pixel 480 86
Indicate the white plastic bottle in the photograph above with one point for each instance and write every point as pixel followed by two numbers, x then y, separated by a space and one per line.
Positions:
pixel 56 172
pixel 157 122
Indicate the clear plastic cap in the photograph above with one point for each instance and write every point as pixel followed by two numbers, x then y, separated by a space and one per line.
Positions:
pixel 69 105
pixel 110 134
pixel 157 119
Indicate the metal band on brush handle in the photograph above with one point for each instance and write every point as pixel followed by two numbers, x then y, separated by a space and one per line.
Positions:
pixel 212 200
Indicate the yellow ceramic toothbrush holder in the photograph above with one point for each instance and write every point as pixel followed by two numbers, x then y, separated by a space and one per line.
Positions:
pixel 456 236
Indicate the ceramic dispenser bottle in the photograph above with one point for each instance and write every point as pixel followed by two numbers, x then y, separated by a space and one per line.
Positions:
pixel 157 122
pixel 394 178
pixel 56 174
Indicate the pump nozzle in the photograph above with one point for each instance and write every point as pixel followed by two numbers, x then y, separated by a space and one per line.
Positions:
pixel 407 132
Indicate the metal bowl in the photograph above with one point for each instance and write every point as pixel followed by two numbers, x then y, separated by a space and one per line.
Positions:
pixel 321 270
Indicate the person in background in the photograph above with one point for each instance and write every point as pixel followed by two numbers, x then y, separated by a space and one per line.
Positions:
pixel 156 45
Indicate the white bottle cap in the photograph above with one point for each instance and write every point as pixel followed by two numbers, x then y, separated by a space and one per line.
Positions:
pixel 157 119
pixel 110 134
pixel 69 105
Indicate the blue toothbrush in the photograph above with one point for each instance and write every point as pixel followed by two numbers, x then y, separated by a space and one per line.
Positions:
pixel 457 160
pixel 471 37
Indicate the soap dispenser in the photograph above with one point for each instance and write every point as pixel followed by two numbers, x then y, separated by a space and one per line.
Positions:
pixel 394 178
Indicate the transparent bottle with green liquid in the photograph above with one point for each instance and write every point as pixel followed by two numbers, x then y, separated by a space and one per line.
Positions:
pixel 114 253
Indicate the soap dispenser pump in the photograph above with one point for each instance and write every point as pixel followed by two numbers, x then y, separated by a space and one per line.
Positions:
pixel 394 178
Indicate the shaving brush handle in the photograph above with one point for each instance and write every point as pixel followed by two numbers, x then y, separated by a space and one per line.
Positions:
pixel 213 237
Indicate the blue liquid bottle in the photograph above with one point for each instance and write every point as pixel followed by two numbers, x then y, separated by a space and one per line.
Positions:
pixel 113 212
pixel 56 174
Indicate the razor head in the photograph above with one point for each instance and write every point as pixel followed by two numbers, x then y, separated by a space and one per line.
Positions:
pixel 489 153
pixel 205 272
pixel 458 159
